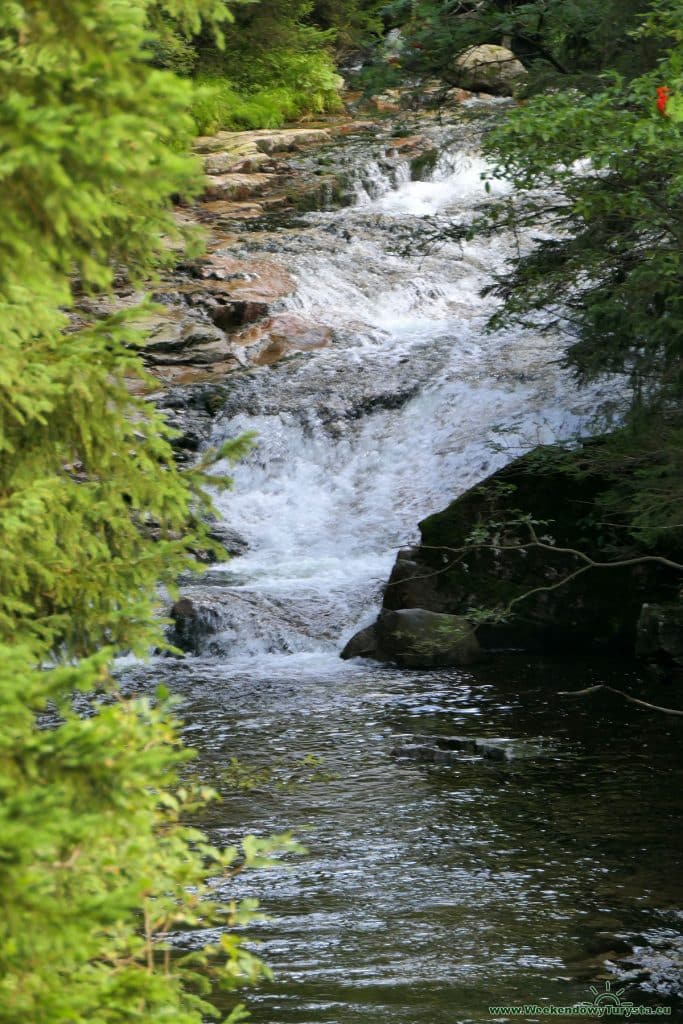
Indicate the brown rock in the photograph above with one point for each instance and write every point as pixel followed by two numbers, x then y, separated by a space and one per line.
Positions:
pixel 238 186
pixel 408 144
pixel 267 342
pixel 258 280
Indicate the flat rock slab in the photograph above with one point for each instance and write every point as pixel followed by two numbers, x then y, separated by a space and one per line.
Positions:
pixel 238 186
pixel 256 280
pixel 230 210
pixel 245 161
pixel 279 140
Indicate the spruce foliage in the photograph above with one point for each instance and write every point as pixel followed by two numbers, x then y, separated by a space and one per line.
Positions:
pixel 95 862
pixel 604 171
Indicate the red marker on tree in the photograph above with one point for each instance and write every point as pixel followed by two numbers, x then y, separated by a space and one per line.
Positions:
pixel 662 99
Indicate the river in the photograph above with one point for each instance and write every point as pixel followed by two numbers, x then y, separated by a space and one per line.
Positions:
pixel 431 891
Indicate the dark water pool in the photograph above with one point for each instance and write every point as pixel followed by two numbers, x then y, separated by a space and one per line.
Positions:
pixel 432 892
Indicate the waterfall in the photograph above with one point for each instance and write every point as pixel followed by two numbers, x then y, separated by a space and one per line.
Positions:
pixel 411 403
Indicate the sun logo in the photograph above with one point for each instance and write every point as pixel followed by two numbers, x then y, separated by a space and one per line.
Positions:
pixel 607 997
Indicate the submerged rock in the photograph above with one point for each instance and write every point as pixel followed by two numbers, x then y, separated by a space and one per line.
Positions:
pixel 456 749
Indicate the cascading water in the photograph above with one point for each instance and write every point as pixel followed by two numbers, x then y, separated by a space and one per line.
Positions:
pixel 411 403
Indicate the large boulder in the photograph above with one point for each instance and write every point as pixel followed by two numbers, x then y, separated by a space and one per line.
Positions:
pixel 543 596
pixel 415 638
pixel 410 584
pixel 362 644
pixel 489 68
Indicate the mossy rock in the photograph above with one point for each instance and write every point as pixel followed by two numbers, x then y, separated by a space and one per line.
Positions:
pixel 599 608
pixel 421 166
pixel 417 638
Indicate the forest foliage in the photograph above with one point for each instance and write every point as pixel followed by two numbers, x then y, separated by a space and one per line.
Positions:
pixel 275 60
pixel 603 171
pixel 97 862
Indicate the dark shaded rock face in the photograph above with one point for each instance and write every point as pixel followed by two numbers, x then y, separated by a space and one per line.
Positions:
pixel 598 608
pixel 477 556
pixel 193 621
pixel 362 645
pixel 415 638
pixel 660 635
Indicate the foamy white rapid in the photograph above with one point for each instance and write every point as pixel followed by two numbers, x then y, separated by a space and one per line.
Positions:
pixel 412 403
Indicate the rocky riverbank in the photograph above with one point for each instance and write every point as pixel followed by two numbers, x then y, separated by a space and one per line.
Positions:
pixel 221 313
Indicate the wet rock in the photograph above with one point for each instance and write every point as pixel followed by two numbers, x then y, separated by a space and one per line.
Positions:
pixel 362 645
pixel 281 335
pixel 184 340
pixel 189 407
pixel 659 637
pixel 416 638
pixel 192 623
pixel 233 542
pixel 229 315
pixel 490 69
pixel 596 609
